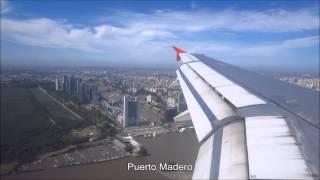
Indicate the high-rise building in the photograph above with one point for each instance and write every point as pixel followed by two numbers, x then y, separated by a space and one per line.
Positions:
pixel 181 105
pixel 149 98
pixel 81 92
pixel 131 114
pixel 66 84
pixel 73 85
pixel 171 102
pixel 78 86
pixel 57 84
pixel 93 93
pixel 64 78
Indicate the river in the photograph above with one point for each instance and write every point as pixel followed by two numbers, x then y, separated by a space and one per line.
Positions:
pixel 181 148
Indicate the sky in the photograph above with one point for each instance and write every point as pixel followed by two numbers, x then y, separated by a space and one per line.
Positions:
pixel 264 34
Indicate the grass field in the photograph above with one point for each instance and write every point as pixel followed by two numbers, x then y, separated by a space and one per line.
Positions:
pixel 32 123
pixel 55 109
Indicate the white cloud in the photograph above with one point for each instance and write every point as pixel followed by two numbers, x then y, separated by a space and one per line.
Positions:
pixel 274 20
pixel 49 33
pixel 301 42
pixel 5 6
pixel 148 36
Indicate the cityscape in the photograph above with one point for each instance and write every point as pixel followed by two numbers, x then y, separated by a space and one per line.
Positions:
pixel 303 81
pixel 159 90
pixel 123 103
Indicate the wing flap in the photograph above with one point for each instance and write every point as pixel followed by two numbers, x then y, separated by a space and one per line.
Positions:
pixel 271 147
pixel 234 93
pixel 238 96
pixel 203 164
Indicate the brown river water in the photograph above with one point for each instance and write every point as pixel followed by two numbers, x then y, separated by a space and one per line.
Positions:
pixel 180 148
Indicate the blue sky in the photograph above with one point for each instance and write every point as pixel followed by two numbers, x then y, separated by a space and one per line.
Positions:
pixel 268 34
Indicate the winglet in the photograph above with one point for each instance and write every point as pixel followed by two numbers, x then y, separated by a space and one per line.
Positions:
pixel 178 51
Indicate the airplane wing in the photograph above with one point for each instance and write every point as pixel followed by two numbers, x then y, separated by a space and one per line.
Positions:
pixel 249 126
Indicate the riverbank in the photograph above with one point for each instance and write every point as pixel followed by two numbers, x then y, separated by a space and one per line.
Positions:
pixel 172 147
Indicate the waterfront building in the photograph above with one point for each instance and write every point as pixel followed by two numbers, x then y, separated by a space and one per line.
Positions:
pixel 181 105
pixel 131 114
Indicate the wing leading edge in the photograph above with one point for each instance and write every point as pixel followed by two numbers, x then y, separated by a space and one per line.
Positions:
pixel 236 144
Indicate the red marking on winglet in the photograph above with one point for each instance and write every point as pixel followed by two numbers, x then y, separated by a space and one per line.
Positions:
pixel 178 51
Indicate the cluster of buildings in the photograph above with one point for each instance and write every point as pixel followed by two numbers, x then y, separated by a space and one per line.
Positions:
pixel 127 115
pixel 120 89
pixel 174 101
pixel 119 93
pixel 87 92
pixel 308 82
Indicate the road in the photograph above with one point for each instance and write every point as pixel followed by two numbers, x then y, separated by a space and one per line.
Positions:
pixel 64 106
